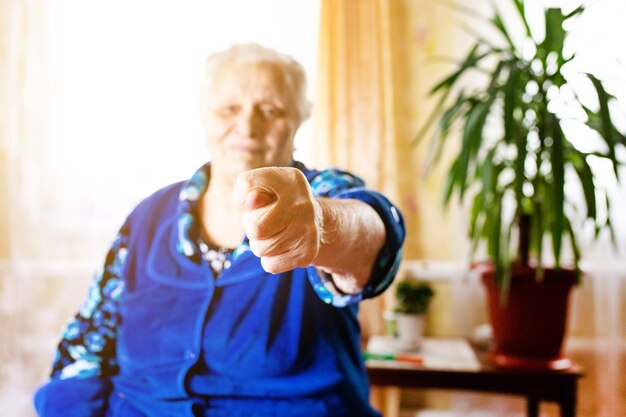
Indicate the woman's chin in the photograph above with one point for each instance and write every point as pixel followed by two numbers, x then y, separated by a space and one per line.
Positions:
pixel 242 163
pixel 247 165
pixel 248 162
pixel 233 168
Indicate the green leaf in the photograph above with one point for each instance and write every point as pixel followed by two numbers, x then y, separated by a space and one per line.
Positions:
pixel 575 248
pixel 472 139
pixel 492 200
pixel 451 180
pixel 555 34
pixel 441 133
pixel 511 97
pixel 594 122
pixel 480 39
pixel 573 13
pixel 506 266
pixel 470 62
pixel 413 297
pixel 609 223
pixel 499 24
pixel 495 232
pixel 495 76
pixel 488 177
pixel 605 116
pixel 449 116
pixel 519 6
pixel 432 117
pixel 558 185
pixel 537 227
pixel 585 175
pixel 476 222
pixel 514 132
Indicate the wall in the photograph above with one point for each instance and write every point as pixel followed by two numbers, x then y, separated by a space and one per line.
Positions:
pixel 33 311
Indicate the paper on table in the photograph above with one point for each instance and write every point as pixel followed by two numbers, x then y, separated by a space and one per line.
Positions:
pixel 437 353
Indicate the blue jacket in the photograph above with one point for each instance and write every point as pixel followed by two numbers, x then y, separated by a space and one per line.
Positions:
pixel 249 343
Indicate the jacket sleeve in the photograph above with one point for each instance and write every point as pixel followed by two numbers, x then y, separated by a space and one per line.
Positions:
pixel 339 184
pixel 85 359
pixel 73 397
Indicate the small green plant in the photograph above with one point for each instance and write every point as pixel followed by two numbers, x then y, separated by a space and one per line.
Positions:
pixel 413 297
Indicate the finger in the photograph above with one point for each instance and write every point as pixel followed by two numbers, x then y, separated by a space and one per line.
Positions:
pixel 284 262
pixel 277 244
pixel 262 179
pixel 242 188
pixel 266 247
pixel 256 199
pixel 278 256
pixel 264 222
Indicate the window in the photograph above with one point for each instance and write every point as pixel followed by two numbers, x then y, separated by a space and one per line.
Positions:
pixel 121 82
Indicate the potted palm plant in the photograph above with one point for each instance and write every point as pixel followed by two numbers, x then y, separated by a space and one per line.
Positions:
pixel 520 143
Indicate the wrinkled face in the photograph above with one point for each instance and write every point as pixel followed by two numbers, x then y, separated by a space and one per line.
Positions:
pixel 252 119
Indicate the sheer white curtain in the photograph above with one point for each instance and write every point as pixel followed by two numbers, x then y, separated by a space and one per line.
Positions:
pixel 98 109
pixel 118 115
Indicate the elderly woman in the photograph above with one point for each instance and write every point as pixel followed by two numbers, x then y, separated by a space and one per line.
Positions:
pixel 235 293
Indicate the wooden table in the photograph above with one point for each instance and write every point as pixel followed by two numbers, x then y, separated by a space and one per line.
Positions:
pixel 536 385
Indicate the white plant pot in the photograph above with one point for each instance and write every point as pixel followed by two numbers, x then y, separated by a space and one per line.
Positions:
pixel 409 330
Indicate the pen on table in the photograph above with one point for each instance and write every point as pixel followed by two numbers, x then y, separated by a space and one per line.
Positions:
pixel 415 359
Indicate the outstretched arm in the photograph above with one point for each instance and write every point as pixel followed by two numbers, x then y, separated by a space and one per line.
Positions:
pixel 288 227
pixel 352 235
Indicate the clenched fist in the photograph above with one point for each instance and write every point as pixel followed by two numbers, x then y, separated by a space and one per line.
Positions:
pixel 280 216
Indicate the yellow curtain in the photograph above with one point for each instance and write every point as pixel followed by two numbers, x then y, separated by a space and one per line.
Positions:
pixel 356 90
pixel 374 72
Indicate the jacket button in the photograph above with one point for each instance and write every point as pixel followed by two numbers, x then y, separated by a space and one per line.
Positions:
pixel 189 354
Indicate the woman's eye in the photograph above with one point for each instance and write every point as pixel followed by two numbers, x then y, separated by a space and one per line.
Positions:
pixel 271 111
pixel 228 110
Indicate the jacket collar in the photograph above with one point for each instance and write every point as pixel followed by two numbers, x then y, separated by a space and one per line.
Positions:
pixel 175 256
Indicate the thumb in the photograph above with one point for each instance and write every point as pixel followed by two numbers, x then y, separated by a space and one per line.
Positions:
pixel 257 198
pixel 250 195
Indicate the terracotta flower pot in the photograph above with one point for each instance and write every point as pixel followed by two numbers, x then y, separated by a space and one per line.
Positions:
pixel 529 328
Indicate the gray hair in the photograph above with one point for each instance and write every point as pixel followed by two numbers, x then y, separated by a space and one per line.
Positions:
pixel 295 76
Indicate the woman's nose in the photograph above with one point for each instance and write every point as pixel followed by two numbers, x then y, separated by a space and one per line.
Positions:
pixel 250 123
